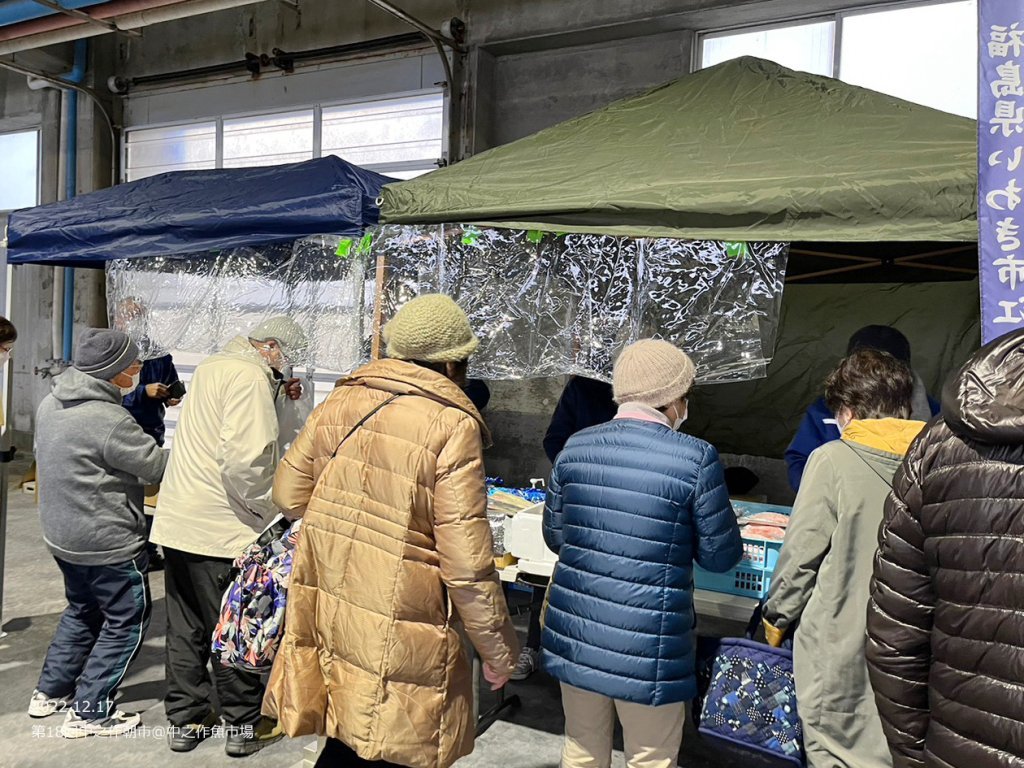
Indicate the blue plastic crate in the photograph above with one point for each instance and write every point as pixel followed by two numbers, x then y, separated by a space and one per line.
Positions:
pixel 753 576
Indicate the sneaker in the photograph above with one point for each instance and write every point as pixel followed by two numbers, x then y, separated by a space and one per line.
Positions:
pixel 245 740
pixel 526 665
pixel 118 723
pixel 42 705
pixel 185 738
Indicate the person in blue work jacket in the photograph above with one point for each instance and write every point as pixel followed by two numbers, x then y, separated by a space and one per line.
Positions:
pixel 819 423
pixel 583 403
pixel 631 505
pixel 149 401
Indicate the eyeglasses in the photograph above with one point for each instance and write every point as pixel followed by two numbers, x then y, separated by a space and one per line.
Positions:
pixel 271 345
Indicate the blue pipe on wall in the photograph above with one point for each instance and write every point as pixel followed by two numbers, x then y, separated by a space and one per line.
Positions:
pixel 76 75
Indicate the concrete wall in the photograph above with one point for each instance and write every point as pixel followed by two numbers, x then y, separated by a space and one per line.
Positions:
pixel 31 289
pixel 32 286
pixel 531 64
pixel 535 93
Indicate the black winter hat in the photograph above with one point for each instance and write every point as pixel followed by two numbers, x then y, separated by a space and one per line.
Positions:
pixel 883 338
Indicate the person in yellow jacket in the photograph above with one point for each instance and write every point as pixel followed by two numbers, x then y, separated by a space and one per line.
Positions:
pixel 214 502
pixel 395 556
pixel 822 579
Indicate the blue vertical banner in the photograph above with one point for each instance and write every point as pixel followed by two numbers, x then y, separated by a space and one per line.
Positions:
pixel 1001 166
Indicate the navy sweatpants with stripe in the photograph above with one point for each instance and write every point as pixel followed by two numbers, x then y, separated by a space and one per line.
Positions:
pixel 99 635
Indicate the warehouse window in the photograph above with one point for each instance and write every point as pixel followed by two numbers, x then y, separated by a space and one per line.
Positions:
pixel 401 137
pixel 396 137
pixel 268 139
pixel 921 52
pixel 150 151
pixel 806 47
pixel 20 151
pixel 941 72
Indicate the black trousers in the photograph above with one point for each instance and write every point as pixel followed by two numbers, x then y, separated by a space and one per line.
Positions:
pixel 195 586
pixel 337 754
pixel 533 633
pixel 99 635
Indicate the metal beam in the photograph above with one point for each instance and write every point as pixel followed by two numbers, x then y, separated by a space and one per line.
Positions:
pixel 128 20
pixel 83 16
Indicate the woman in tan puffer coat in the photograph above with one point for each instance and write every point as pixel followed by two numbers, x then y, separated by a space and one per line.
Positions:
pixel 395 554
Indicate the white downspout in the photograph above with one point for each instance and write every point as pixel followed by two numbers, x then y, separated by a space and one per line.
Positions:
pixel 57 327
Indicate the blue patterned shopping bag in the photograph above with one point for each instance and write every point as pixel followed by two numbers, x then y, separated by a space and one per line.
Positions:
pixel 751 700
pixel 252 612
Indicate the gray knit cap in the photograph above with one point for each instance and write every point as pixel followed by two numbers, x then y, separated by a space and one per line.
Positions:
pixel 103 353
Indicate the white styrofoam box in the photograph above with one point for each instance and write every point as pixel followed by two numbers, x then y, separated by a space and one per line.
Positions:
pixel 524 538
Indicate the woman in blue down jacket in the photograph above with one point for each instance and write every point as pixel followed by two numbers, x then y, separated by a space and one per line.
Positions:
pixel 631 504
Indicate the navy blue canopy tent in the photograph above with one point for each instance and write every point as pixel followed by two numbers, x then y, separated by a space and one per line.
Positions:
pixel 188 212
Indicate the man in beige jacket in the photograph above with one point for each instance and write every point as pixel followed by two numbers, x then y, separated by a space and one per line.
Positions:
pixel 214 502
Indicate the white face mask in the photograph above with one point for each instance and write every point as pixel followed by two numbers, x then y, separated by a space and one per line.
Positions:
pixel 125 391
pixel 680 420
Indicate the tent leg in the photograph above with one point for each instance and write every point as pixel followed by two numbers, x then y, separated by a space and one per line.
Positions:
pixel 378 308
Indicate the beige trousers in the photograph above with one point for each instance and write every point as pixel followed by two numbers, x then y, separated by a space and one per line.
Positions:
pixel 651 735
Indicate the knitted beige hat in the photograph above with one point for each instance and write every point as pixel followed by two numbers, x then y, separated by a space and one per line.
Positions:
pixel 652 372
pixel 430 329
pixel 284 331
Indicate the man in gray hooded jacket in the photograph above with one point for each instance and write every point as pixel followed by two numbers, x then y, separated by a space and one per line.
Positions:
pixel 94 460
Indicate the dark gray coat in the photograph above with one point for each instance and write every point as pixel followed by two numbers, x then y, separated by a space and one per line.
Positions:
pixel 93 460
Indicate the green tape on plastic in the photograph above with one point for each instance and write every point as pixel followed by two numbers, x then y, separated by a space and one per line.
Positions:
pixel 470 236
pixel 534 235
pixel 344 249
pixel 364 244
pixel 737 250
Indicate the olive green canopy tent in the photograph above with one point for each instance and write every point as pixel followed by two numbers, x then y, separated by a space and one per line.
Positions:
pixel 747 150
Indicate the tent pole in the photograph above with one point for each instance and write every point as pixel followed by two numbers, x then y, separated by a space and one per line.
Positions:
pixel 828 272
pixel 378 307
pixel 969 247
pixel 936 267
pixel 839 256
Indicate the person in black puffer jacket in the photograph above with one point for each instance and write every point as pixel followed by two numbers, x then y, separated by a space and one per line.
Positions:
pixel 631 505
pixel 945 645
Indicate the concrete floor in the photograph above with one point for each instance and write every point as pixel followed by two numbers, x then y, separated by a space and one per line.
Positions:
pixel 528 737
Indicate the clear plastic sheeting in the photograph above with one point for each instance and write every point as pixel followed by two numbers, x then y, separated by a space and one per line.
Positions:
pixel 543 304
pixel 549 304
pixel 200 302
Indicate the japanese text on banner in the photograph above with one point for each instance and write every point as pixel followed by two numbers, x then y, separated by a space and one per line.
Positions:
pixel 1001 166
